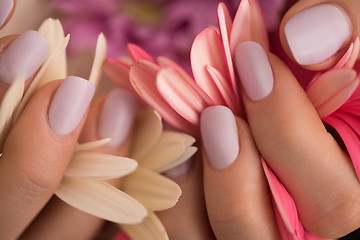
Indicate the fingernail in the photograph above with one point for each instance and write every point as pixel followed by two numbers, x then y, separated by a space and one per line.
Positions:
pixel 69 104
pixel 25 54
pixel 117 116
pixel 179 171
pixel 315 34
pixel 6 7
pixel 254 70
pixel 220 136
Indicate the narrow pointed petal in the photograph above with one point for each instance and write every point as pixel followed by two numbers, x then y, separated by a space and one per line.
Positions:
pixel 330 90
pixel 182 94
pixel 137 53
pixel 8 105
pixel 207 50
pixel 350 57
pixel 230 100
pixel 248 25
pixel 153 190
pixel 99 58
pixel 92 145
pixel 117 72
pixel 147 133
pixel 99 166
pixel 102 200
pixel 170 147
pixel 225 25
pixel 143 77
pixel 150 229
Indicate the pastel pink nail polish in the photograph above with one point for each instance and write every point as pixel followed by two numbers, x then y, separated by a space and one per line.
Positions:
pixel 117 116
pixel 254 70
pixel 25 54
pixel 315 34
pixel 69 104
pixel 6 7
pixel 220 136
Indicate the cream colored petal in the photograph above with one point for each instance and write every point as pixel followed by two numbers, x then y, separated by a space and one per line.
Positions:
pixel 150 229
pixel 188 153
pixel 102 200
pixel 92 145
pixel 53 31
pixel 153 190
pixel 99 166
pixel 148 131
pixel 9 104
pixel 169 147
pixel 99 58
pixel 36 82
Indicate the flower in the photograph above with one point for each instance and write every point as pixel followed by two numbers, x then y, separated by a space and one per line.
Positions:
pixel 82 185
pixel 156 151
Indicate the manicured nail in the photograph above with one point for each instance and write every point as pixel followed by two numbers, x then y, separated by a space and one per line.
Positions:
pixel 69 104
pixel 254 70
pixel 315 34
pixel 220 136
pixel 25 54
pixel 6 7
pixel 117 116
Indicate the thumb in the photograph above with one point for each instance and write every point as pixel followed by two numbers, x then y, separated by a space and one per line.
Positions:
pixel 291 137
pixel 315 34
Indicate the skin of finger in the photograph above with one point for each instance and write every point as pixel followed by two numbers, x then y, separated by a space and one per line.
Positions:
pixel 61 221
pixel 351 7
pixel 305 157
pixel 188 218
pixel 9 17
pixel 33 163
pixel 237 197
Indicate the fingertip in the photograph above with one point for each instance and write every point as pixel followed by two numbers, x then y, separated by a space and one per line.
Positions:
pixel 6 10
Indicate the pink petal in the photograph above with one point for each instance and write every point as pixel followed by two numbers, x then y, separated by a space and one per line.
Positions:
pixel 182 94
pixel 248 25
pixel 350 57
pixel 138 53
pixel 207 50
pixel 143 77
pixel 225 25
pixel 332 89
pixel 117 72
pixel 225 90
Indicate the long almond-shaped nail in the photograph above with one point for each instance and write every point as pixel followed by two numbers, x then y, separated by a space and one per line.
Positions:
pixel 117 116
pixel 69 104
pixel 220 136
pixel 25 54
pixel 254 70
pixel 315 34
pixel 6 7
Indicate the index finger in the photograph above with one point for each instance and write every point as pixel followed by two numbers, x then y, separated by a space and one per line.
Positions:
pixel 6 10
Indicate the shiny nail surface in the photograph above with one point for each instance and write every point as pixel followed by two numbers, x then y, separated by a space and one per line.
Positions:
pixel 315 34
pixel 25 54
pixel 6 7
pixel 220 136
pixel 69 104
pixel 254 70
pixel 117 116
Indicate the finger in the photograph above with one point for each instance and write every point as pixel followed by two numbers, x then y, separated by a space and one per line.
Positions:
pixel 316 33
pixel 294 142
pixel 6 10
pixel 38 149
pixel 21 54
pixel 188 218
pixel 111 115
pixel 232 159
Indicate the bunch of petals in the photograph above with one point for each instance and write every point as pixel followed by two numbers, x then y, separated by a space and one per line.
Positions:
pixel 180 99
pixel 156 151
pixel 82 185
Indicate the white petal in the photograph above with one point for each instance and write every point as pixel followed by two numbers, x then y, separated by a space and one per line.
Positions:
pixel 150 229
pixel 188 153
pixel 92 145
pixel 99 58
pixel 102 200
pixel 99 166
pixel 153 190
